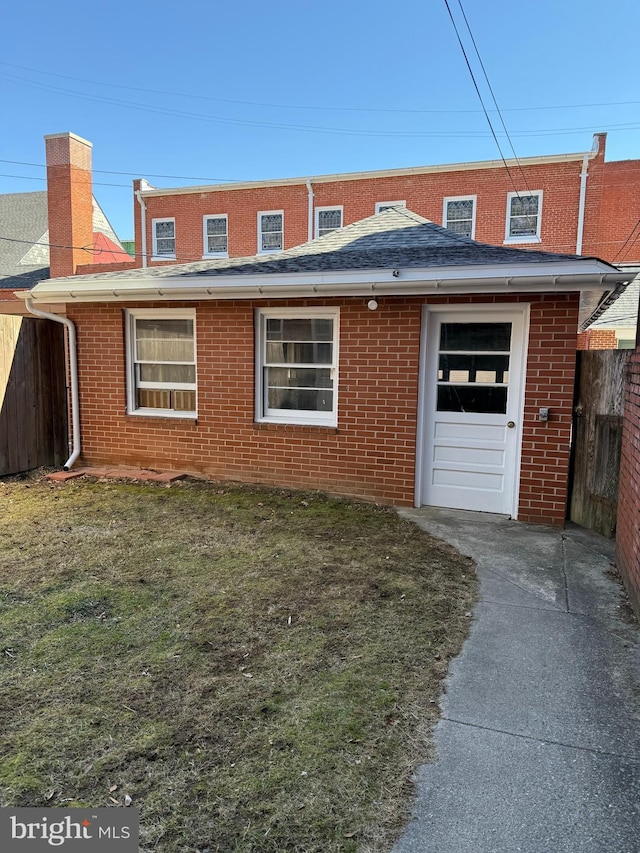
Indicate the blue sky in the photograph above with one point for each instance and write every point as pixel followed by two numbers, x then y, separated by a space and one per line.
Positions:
pixel 252 90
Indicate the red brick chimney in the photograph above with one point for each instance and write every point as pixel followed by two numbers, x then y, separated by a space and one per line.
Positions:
pixel 70 202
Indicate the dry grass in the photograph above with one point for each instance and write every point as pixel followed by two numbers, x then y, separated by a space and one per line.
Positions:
pixel 258 669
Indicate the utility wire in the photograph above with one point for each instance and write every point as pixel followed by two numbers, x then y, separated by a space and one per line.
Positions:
pixel 473 78
pixel 133 174
pixel 338 131
pixel 629 238
pixel 93 251
pixel 493 97
pixel 308 107
pixel 184 259
pixel 44 180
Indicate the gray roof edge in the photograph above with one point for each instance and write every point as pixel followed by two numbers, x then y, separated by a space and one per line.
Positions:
pixel 612 297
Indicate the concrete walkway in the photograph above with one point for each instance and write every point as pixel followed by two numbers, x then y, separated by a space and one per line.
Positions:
pixel 538 748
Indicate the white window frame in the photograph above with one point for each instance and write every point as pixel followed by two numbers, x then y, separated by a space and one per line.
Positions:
pixel 383 204
pixel 163 256
pixel 133 314
pixel 205 241
pixel 472 198
pixel 293 416
pixel 525 238
pixel 330 207
pixel 262 213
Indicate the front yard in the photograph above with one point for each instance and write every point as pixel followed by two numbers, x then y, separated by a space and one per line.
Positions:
pixel 258 670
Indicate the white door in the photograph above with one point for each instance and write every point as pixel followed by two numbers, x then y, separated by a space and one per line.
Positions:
pixel 474 403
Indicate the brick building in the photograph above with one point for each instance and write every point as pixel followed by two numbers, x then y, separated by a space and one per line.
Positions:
pixel 389 358
pixel 570 203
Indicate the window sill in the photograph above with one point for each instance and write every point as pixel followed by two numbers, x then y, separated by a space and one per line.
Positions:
pixel 216 255
pixel 163 413
pixel 273 426
pixel 520 240
pixel 163 257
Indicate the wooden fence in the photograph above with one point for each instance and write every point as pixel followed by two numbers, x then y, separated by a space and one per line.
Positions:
pixel 33 404
pixel 597 439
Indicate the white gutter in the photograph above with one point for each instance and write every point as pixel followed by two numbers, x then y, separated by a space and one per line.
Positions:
pixel 475 165
pixel 366 285
pixel 581 205
pixel 73 371
pixel 310 211
pixel 143 227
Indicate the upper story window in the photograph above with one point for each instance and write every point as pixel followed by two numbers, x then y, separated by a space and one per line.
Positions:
pixel 524 216
pixel 164 238
pixel 385 205
pixel 161 362
pixel 271 231
pixel 328 219
pixel 297 365
pixel 216 236
pixel 459 215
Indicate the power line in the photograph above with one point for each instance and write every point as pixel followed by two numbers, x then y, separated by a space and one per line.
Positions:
pixel 44 180
pixel 309 107
pixel 626 242
pixel 184 259
pixel 339 131
pixel 133 174
pixel 92 250
pixel 495 102
pixel 214 119
pixel 486 114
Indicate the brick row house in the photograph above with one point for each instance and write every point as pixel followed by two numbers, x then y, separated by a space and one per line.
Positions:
pixel 387 358
pixel 569 203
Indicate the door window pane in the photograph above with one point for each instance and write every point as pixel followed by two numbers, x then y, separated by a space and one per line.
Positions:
pixel 473 368
pixel 486 399
pixel 477 337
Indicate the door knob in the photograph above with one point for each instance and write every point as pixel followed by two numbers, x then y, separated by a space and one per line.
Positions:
pixel 511 424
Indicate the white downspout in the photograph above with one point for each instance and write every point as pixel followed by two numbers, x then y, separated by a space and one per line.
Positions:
pixel 73 371
pixel 310 211
pixel 143 227
pixel 581 204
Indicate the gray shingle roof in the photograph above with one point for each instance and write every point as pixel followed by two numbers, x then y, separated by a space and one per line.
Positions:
pixel 23 222
pixel 393 238
pixel 24 225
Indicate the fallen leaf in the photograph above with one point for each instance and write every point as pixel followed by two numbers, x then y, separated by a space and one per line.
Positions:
pixel 50 795
pixel 349 834
pixel 113 788
pixel 127 800
pixel 113 800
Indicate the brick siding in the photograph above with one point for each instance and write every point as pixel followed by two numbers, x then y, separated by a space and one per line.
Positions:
pixel 372 453
pixel 597 339
pixel 628 526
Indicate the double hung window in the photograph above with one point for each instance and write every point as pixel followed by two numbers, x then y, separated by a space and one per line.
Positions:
pixel 328 219
pixel 161 362
pixel 459 215
pixel 216 237
pixel 524 216
pixel 164 238
pixel 297 365
pixel 270 231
